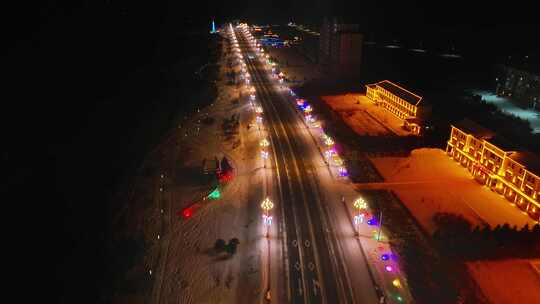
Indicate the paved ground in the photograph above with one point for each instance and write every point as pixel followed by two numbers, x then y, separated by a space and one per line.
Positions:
pixel 429 181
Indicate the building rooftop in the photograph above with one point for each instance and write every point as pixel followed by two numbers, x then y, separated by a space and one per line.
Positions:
pixel 530 160
pixel 400 92
pixel 470 127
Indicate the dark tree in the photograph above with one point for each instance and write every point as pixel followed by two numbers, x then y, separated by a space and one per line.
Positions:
pixel 219 245
pixel 232 246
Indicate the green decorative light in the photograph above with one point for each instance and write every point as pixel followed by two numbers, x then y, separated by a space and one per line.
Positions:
pixel 215 194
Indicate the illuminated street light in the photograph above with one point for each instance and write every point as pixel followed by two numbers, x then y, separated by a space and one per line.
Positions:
pixel 264 143
pixel 267 205
pixel 328 141
pixel 258 110
pixel 342 171
pixel 360 205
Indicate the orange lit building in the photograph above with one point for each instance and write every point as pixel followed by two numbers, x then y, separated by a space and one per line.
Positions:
pixel 404 104
pixel 494 162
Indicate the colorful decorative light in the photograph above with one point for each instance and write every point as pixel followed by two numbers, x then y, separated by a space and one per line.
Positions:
pixel 328 153
pixel 385 257
pixel 358 219
pixel 389 268
pixel 264 143
pixel 360 204
pixel 267 220
pixel 258 110
pixel 264 154
pixel 396 283
pixel 328 141
pixel 343 172
pixel 267 204
pixel 215 194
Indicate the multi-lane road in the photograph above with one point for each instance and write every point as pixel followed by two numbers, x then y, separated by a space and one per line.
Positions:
pixel 319 265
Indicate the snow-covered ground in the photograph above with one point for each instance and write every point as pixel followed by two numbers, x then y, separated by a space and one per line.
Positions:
pixel 295 67
pixel 503 103
pixel 180 261
pixel 428 181
pixel 507 281
pixel 364 117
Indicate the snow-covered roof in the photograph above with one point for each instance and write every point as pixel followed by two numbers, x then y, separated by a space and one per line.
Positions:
pixel 530 160
pixel 470 127
pixel 400 92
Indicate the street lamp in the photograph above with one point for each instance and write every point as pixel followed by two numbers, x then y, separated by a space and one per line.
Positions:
pixel 264 143
pixel 328 141
pixel 359 204
pixel 267 205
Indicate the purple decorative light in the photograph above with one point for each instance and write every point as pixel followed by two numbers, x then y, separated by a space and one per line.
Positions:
pixel 389 268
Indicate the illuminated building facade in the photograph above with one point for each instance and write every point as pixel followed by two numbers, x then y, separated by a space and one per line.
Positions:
pixel 494 162
pixel 404 104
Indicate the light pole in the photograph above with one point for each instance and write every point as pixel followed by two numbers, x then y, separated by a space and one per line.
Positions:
pixel 267 205
pixel 359 204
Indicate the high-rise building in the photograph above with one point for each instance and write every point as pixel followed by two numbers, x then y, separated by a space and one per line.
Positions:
pixel 340 49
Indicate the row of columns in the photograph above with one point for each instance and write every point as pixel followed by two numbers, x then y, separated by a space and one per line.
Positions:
pixel 494 184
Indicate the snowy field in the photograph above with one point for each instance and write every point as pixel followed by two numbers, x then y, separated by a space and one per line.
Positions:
pixel 493 279
pixel 507 106
pixel 428 181
pixel 364 117
pixel 184 267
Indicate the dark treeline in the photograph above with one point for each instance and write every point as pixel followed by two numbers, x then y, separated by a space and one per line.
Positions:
pixel 93 86
pixel 456 237
pixel 450 107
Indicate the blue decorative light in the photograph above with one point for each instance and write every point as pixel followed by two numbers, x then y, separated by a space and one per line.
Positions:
pixel 384 257
pixel 372 222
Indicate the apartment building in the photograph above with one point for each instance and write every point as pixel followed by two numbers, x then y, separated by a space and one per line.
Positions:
pixel 340 49
pixel 497 164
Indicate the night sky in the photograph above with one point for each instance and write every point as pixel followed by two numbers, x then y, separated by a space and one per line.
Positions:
pixel 64 57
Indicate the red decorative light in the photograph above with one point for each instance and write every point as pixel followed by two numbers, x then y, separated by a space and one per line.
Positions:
pixel 187 213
